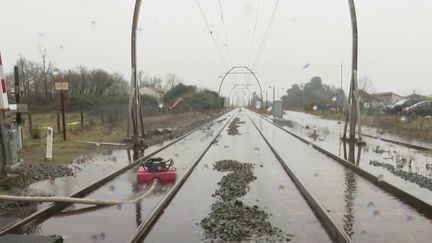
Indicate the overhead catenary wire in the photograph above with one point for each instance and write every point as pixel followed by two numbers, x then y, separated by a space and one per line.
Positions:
pixel 211 31
pixel 266 35
pixel 254 32
pixel 226 36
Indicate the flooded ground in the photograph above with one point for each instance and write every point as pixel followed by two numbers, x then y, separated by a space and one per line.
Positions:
pixel 365 212
pixel 415 163
pixel 93 224
pixel 272 192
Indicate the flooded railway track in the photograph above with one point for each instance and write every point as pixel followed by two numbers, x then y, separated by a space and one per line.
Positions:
pixel 291 190
pixel 420 205
pixel 368 208
pixel 31 223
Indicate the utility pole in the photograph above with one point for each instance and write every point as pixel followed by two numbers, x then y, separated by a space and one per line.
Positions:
pixel 341 88
pixel 135 112
pixel 273 94
pixel 352 118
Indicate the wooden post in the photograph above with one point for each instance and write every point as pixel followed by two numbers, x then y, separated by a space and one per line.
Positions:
pixel 58 122
pixel 63 114
pixel 30 124
pixel 82 120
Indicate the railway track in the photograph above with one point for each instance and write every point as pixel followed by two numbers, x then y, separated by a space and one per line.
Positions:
pixel 31 222
pixel 344 214
pixel 306 192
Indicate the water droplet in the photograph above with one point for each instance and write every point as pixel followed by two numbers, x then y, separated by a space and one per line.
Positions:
pixel 94 237
pixel 119 206
pixel 102 236
pixel 370 204
pixel 409 218
pixel 206 166
pixel 111 188
pixel 41 34
pixel 376 214
pixel 315 174
pixel 93 23
pixel 334 98
pixel 61 47
pixel 176 155
pixel 380 177
pixel 315 107
pixel 256 150
pixel 363 232
pixel 281 188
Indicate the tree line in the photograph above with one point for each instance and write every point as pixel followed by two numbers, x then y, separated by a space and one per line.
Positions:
pixel 89 88
pixel 313 94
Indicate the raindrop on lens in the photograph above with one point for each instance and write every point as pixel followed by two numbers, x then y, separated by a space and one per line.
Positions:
pixel 370 204
pixel 119 206
pixel 102 236
pixel 111 188
pixel 94 237
pixel 315 174
pixel 409 218
pixel 281 188
pixel 206 166
pixel 380 177
pixel 315 107
pixel 376 214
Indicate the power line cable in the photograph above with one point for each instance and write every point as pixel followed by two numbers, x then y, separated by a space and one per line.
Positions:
pixel 254 31
pixel 267 34
pixel 226 36
pixel 211 33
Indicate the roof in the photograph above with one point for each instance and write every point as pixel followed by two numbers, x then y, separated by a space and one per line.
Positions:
pixel 416 97
pixel 385 94
pixel 368 96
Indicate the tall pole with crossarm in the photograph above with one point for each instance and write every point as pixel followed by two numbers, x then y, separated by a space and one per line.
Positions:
pixel 352 119
pixel 135 119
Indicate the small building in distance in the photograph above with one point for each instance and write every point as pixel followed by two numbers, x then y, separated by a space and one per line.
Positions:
pixel 387 98
pixel 415 96
pixel 368 101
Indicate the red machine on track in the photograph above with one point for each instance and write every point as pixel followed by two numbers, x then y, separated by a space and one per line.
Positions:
pixel 156 168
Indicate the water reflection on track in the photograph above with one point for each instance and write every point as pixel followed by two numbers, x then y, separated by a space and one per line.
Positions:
pixel 367 213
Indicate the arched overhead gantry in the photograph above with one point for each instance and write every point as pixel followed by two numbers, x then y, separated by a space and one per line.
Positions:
pixel 248 71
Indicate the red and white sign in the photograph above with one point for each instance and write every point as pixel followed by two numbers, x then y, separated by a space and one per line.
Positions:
pixel 4 103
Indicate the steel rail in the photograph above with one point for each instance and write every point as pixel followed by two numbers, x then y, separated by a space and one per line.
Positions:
pixel 145 227
pixel 408 145
pixel 47 212
pixel 333 230
pixel 420 205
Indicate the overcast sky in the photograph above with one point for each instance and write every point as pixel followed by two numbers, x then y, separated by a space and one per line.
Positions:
pixel 395 39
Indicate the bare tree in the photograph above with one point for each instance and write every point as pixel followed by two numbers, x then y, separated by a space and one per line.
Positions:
pixel 171 81
pixel 365 84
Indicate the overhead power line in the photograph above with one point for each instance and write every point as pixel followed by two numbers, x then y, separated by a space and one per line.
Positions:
pixel 226 36
pixel 266 36
pixel 210 30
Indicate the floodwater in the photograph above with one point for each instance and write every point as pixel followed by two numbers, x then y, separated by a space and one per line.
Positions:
pixel 118 223
pixel 364 211
pixel 327 133
pixel 273 192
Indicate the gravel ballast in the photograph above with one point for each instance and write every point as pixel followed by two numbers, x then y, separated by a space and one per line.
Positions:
pixel 232 220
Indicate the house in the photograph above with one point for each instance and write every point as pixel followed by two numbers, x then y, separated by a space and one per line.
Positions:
pixel 151 92
pixel 387 98
pixel 415 96
pixel 368 101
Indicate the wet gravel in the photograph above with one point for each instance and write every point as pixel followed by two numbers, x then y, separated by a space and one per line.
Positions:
pixel 233 127
pixel 420 180
pixel 232 220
